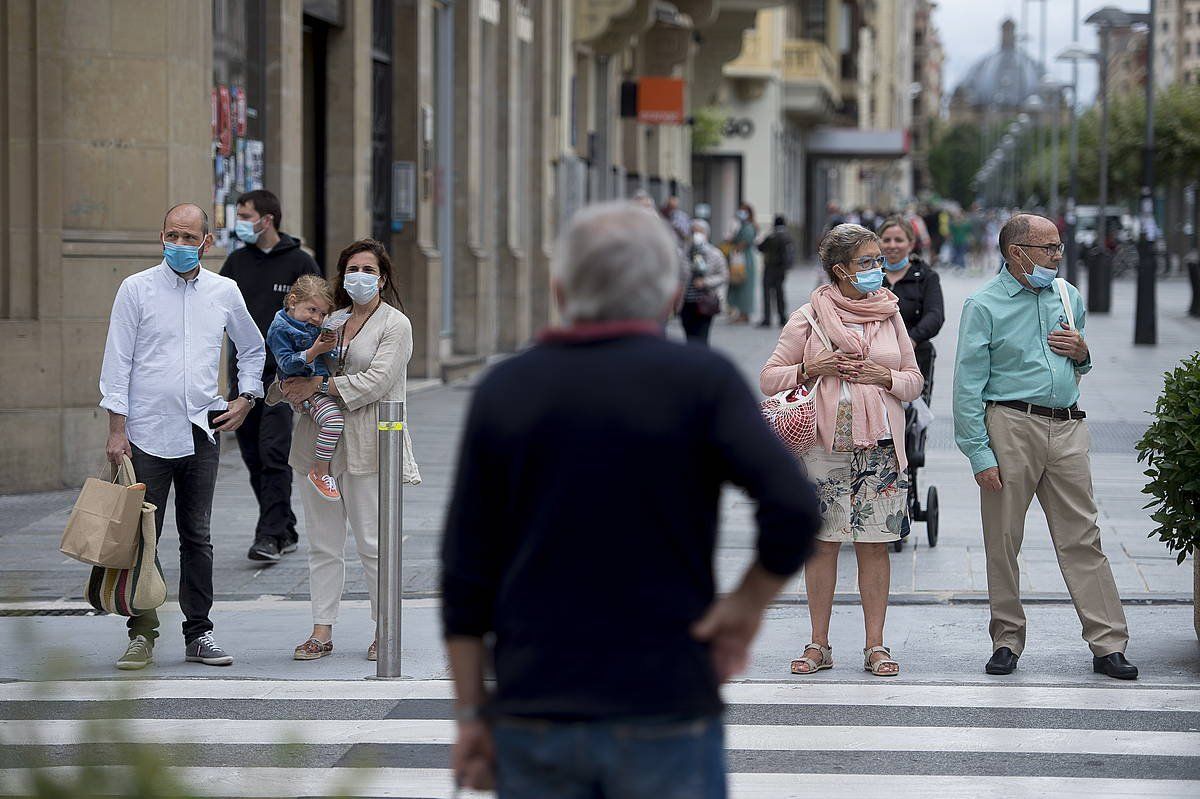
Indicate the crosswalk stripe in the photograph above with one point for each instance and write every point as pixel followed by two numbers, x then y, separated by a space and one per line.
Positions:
pixel 762 737
pixel 895 694
pixel 403 783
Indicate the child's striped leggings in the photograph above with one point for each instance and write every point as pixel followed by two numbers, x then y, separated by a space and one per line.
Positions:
pixel 325 411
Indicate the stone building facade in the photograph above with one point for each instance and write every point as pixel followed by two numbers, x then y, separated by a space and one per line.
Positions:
pixel 462 133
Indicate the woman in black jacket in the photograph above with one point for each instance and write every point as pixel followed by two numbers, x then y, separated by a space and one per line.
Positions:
pixel 919 290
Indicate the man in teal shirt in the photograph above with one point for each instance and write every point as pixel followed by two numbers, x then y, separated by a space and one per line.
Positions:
pixel 1021 352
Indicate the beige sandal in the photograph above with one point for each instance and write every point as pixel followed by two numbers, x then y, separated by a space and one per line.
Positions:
pixel 826 661
pixel 875 667
pixel 313 649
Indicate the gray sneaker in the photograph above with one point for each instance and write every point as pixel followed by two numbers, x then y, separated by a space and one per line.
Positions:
pixel 139 655
pixel 205 650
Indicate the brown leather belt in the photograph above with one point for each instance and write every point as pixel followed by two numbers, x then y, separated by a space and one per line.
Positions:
pixel 1066 414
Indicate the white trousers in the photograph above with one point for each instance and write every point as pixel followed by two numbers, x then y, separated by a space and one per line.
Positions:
pixel 326 524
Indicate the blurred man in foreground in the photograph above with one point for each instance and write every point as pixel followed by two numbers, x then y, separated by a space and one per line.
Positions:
pixel 581 534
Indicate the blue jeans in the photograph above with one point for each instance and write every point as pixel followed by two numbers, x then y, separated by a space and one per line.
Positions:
pixel 600 760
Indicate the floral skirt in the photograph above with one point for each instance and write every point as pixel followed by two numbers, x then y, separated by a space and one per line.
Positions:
pixel 863 495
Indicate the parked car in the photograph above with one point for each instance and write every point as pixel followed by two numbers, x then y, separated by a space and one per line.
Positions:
pixel 1087 222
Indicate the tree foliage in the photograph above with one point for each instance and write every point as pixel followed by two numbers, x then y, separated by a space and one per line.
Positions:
pixel 1176 147
pixel 954 159
pixel 707 124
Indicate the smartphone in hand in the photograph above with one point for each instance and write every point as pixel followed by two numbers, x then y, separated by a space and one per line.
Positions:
pixel 212 415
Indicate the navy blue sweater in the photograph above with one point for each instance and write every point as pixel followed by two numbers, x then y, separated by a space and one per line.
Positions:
pixel 583 523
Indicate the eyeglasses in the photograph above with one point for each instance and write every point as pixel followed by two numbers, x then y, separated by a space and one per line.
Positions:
pixel 869 263
pixel 1051 250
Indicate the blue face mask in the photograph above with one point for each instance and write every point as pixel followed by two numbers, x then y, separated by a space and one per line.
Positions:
pixel 181 257
pixel 244 230
pixel 868 281
pixel 896 267
pixel 1041 276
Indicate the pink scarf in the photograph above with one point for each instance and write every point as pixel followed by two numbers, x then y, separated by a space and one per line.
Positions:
pixel 834 310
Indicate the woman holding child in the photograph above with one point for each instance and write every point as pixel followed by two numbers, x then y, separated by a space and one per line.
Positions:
pixel 371 357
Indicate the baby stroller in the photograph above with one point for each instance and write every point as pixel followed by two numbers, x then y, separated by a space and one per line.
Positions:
pixel 915 429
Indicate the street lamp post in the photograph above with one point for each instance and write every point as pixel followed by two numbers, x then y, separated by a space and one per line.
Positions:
pixel 1145 319
pixel 1055 88
pixel 1074 54
pixel 1100 272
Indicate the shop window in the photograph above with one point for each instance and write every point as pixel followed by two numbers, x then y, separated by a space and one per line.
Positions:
pixel 238 99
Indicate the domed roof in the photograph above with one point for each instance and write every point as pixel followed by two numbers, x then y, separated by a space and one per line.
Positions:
pixel 1003 78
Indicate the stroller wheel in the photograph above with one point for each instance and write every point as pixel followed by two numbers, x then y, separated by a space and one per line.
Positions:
pixel 931 516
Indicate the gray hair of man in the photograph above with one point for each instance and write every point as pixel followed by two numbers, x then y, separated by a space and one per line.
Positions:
pixel 613 262
pixel 703 226
pixel 840 244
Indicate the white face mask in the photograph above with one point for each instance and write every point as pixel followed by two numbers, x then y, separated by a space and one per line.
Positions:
pixel 361 286
pixel 698 238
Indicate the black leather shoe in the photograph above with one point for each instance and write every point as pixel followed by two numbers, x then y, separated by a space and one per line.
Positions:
pixel 1003 661
pixel 1115 665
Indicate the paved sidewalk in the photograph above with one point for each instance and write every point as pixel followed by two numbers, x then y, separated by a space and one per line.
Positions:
pixel 1116 394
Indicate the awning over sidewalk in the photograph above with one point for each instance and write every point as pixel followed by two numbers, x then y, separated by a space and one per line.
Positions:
pixel 827 142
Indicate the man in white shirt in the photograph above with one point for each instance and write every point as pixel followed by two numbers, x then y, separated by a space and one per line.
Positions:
pixel 159 386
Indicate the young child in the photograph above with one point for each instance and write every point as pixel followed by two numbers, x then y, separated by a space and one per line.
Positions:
pixel 298 343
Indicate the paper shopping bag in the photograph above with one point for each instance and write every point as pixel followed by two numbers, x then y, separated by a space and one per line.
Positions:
pixel 105 526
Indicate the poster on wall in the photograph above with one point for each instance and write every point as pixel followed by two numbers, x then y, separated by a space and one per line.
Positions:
pixel 239 162
pixel 254 164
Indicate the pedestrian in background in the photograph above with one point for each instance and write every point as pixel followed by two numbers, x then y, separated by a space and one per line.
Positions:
pixel 918 289
pixel 677 219
pixel 159 386
pixel 706 277
pixel 779 253
pixel 372 365
pixel 1016 418
pixel 743 270
pixel 858 464
pixel 608 689
pixel 264 271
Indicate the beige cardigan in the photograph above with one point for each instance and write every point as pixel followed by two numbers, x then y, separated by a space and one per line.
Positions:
pixel 376 369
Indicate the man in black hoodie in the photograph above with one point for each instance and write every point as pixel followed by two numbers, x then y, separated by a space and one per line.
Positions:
pixel 264 270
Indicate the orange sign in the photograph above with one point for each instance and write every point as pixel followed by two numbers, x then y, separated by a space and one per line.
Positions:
pixel 660 101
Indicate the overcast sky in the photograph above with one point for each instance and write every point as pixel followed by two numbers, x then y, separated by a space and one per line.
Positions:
pixel 970 29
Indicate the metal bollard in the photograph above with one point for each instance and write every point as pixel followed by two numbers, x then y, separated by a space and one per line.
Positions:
pixel 391 527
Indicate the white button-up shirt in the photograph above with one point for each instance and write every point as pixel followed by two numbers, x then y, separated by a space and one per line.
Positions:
pixel 163 353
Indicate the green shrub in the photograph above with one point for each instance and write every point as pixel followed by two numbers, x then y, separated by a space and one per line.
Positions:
pixel 1171 449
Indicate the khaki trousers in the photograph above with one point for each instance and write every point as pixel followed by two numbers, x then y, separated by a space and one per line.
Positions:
pixel 1049 458
pixel 326 525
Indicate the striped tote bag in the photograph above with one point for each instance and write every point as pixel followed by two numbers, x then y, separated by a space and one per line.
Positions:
pixel 136 590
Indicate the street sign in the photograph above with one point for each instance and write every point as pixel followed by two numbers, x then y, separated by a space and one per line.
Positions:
pixel 660 101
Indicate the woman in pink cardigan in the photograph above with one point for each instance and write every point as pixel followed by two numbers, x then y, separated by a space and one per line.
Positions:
pixel 858 464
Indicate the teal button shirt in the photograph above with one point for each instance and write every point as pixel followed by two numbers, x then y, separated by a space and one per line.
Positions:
pixel 1003 354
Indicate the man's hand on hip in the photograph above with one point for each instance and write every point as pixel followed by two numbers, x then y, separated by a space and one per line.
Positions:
pixel 234 415
pixel 1068 343
pixel 117 446
pixel 989 480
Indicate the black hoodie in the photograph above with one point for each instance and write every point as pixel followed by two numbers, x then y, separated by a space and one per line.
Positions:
pixel 265 278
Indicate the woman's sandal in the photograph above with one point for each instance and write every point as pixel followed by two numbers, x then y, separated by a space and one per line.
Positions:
pixel 877 666
pixel 826 661
pixel 313 649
